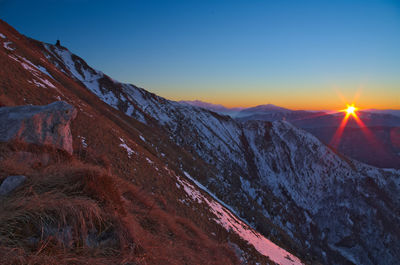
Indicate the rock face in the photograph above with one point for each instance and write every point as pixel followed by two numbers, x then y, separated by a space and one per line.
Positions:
pixel 10 184
pixel 43 125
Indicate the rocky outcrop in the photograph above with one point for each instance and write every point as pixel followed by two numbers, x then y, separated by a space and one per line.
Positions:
pixel 42 125
pixel 10 184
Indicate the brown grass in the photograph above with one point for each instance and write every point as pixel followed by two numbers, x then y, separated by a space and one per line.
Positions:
pixel 70 212
pixel 64 207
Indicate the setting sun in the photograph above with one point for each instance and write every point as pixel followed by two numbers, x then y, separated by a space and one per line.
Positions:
pixel 351 109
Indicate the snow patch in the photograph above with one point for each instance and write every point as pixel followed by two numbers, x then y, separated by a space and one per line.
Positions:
pixel 231 223
pixel 6 45
pixel 44 71
pixel 44 83
pixel 345 253
pixel 34 70
pixel 127 148
pixel 198 184
pixel 2 36
pixel 83 141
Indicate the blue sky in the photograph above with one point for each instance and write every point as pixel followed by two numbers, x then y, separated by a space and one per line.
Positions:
pixel 297 54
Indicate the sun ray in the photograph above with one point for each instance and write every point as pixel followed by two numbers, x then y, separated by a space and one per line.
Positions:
pixel 340 95
pixel 358 93
pixel 351 111
pixel 368 134
pixel 338 134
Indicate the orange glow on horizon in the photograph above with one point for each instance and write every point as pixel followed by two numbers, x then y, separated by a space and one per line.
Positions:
pixel 307 104
pixel 314 98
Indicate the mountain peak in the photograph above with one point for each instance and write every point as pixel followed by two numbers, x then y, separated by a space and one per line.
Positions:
pixel 267 107
pixel 263 109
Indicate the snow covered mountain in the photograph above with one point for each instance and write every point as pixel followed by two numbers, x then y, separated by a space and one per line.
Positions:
pixel 318 205
pixel 282 180
pixel 154 211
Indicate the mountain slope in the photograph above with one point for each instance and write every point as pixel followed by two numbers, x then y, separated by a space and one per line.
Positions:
pixel 167 218
pixel 282 180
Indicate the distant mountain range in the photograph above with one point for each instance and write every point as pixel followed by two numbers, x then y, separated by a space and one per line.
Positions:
pixel 385 111
pixel 270 108
pixel 377 144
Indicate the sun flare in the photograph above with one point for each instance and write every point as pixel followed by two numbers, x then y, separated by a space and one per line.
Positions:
pixel 350 113
pixel 351 109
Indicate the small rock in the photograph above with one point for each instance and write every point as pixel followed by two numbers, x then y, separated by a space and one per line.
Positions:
pixel 11 183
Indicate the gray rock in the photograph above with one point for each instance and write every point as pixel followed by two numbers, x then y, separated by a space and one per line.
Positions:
pixel 43 125
pixel 11 183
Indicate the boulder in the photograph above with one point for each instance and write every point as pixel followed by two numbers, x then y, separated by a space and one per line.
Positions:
pixel 10 184
pixel 42 125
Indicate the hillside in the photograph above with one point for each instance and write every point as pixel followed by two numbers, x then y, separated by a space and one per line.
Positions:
pixel 122 197
pixel 319 205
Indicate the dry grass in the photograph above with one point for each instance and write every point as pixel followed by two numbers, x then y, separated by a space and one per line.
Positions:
pixel 70 212
pixel 64 209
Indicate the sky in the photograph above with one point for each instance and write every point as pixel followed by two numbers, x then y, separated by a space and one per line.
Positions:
pixel 316 55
